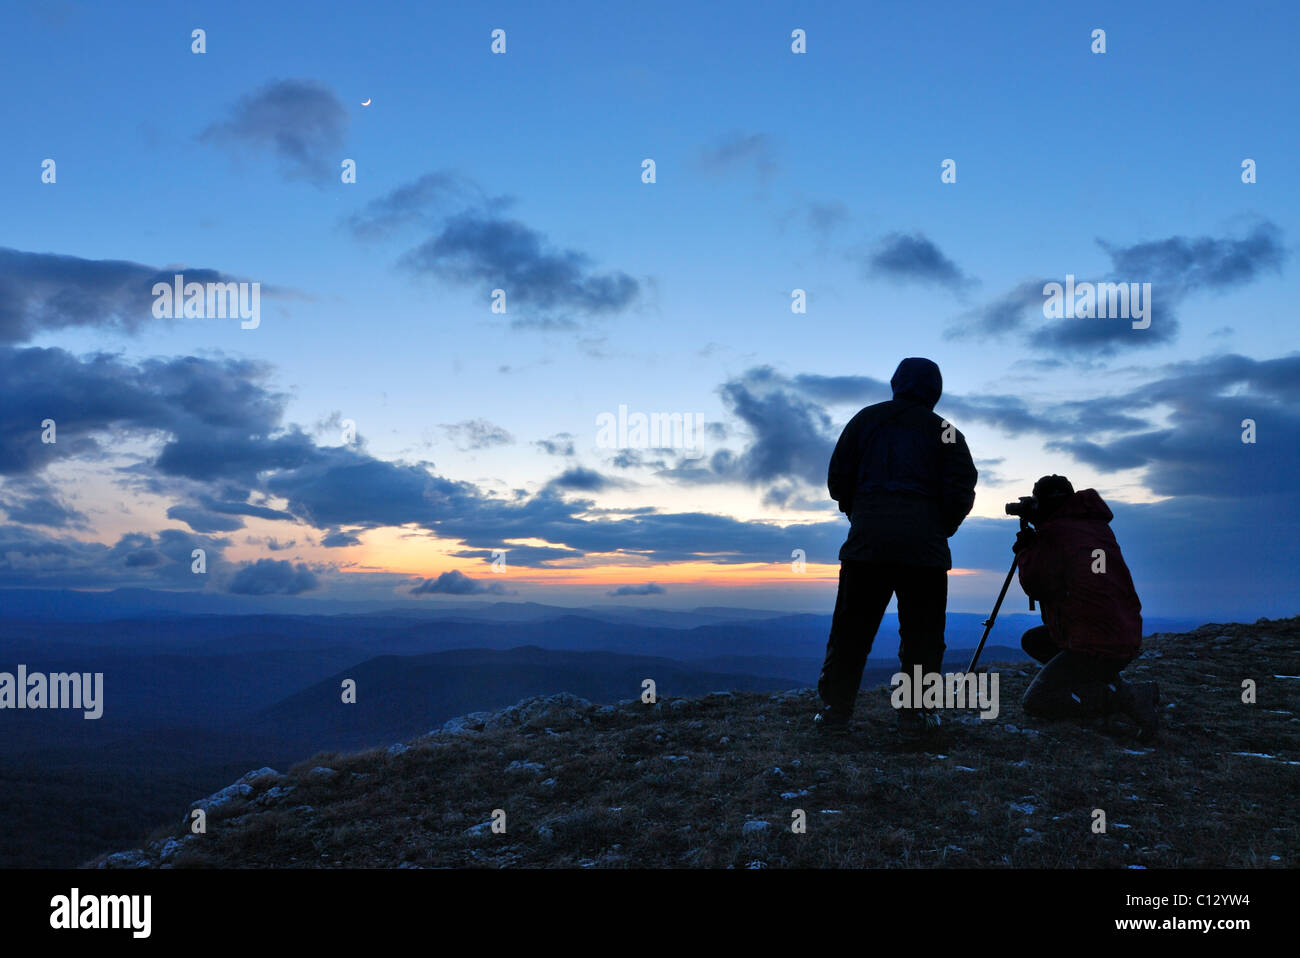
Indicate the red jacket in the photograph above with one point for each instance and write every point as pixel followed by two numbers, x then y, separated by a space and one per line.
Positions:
pixel 1086 611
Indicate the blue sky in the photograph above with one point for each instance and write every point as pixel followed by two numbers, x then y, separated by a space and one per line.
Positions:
pixel 775 171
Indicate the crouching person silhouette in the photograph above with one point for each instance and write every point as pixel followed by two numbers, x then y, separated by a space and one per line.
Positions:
pixel 904 477
pixel 1092 623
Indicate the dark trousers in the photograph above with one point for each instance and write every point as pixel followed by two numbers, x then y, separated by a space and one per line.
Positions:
pixel 865 591
pixel 1070 684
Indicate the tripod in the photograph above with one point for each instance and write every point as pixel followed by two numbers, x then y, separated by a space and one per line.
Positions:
pixel 988 623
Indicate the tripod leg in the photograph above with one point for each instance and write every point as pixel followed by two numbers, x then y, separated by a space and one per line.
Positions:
pixel 988 623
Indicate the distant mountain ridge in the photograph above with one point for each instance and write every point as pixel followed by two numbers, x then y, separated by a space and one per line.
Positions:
pixel 397 695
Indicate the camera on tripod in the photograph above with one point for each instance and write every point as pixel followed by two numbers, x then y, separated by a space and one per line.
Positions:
pixel 1025 508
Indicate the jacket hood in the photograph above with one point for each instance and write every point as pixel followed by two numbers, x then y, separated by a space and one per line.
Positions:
pixel 918 380
pixel 1084 504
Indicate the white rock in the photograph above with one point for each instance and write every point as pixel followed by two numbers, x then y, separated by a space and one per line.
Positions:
pixel 273 794
pixel 530 767
pixel 248 778
pixel 560 711
pixel 224 797
pixel 135 858
pixel 172 846
pixel 465 724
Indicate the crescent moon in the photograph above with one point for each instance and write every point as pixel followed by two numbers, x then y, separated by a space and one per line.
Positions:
pixel 366 101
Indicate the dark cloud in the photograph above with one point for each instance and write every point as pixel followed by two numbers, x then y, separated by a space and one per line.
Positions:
pixel 301 121
pixel 638 459
pixel 46 292
pixel 241 508
pixel 29 558
pixel 842 389
pixel 271 542
pixel 1175 267
pixel 1004 314
pixel 337 539
pixel 561 444
pixel 273 577
pixel 915 258
pixel 200 520
pixel 1103 337
pixel 990 473
pixel 476 249
pixel 477 434
pixel 522 555
pixel 825 218
pixel 789 434
pixel 213 411
pixel 584 480
pixel 230 453
pixel 474 243
pixel 342 487
pixel 737 151
pixel 454 582
pixel 1183 426
pixel 1202 262
pixel 794 496
pixel 35 503
pixel 1198 450
pixel 417 203
pixel 649 588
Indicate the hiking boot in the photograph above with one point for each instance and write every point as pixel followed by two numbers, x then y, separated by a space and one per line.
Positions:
pixel 831 721
pixel 915 724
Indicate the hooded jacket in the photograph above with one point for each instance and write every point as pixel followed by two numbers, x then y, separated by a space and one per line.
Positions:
pixel 1084 610
pixel 903 475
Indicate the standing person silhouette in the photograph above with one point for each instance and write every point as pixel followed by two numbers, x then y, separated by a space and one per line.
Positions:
pixel 904 477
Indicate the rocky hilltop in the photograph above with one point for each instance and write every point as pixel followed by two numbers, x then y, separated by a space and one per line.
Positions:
pixel 740 780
